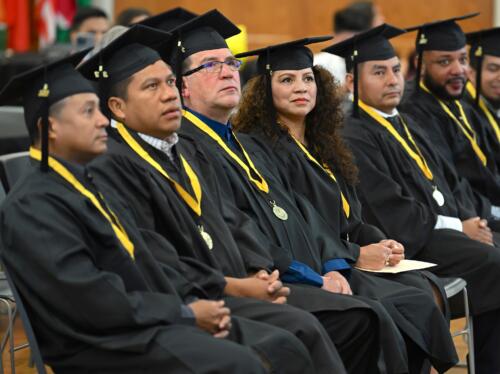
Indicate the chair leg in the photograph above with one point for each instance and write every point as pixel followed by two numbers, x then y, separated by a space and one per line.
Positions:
pixel 9 334
pixel 470 334
pixel 12 347
pixel 3 338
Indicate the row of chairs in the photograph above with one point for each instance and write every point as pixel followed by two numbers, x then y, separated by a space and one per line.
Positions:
pixel 12 166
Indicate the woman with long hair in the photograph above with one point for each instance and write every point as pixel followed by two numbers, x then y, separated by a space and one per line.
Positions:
pixel 296 114
pixel 291 113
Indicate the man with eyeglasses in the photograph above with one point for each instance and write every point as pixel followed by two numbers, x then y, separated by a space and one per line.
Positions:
pixel 216 66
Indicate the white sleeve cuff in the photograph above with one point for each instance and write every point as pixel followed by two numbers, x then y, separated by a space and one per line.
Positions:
pixel 445 222
pixel 495 211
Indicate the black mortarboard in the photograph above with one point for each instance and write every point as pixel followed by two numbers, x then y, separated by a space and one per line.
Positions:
pixel 42 87
pixel 169 20
pixel 206 32
pixel 203 33
pixel 370 45
pixel 292 55
pixel 129 53
pixel 488 41
pixel 483 42
pixel 442 35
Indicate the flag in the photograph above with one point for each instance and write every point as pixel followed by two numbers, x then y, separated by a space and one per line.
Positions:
pixel 3 26
pixel 84 3
pixel 54 20
pixel 18 24
pixel 46 22
pixel 65 11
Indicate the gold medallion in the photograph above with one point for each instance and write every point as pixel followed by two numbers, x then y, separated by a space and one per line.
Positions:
pixel 279 212
pixel 206 237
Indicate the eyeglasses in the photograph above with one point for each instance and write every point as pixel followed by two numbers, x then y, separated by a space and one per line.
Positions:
pixel 216 66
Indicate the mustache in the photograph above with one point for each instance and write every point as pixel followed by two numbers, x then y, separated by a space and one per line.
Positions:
pixel 440 90
pixel 457 79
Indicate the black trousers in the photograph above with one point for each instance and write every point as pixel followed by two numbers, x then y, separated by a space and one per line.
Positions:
pixel 365 335
pixel 487 342
pixel 350 343
pixel 174 349
pixel 301 324
pixel 417 316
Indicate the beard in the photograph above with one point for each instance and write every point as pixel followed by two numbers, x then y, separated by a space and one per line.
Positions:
pixel 440 90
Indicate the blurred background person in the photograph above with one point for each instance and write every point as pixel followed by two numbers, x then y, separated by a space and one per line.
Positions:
pixel 132 15
pixel 87 27
pixel 356 17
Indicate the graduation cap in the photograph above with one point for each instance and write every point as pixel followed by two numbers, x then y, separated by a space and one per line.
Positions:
pixel 203 33
pixel 442 35
pixel 129 53
pixel 483 42
pixel 293 55
pixel 169 20
pixel 370 45
pixel 42 87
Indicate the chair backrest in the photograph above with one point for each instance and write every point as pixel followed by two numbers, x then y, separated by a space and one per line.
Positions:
pixel 12 122
pixel 453 288
pixel 12 167
pixel 13 132
pixel 30 334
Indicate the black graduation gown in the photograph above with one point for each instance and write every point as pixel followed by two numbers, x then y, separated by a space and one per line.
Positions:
pixel 453 145
pixel 306 178
pixel 157 208
pixel 312 182
pixel 491 140
pixel 397 198
pixel 288 238
pixel 95 309
pixel 326 245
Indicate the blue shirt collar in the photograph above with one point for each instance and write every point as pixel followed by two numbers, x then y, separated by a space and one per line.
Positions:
pixel 225 131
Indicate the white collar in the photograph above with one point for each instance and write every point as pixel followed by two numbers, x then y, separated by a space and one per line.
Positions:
pixel 386 115
pixel 164 145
